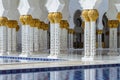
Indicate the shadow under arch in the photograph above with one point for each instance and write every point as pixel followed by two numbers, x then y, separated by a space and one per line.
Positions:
pixel 105 35
pixel 78 43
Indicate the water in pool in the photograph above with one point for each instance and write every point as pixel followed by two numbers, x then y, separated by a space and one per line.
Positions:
pixel 111 73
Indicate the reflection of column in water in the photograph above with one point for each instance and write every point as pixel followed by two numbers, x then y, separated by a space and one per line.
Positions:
pixel 16 77
pixel 41 76
pixel 4 77
pixel 79 75
pixel 90 74
pixel 118 73
pixel 55 75
pixel 113 73
pixel 27 76
pixel 106 74
pixel 99 74
pixel 2 40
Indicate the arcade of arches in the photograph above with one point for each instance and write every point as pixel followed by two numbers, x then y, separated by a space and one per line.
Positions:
pixel 34 27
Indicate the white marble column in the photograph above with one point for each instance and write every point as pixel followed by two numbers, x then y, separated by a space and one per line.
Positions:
pixel 69 39
pixel 71 34
pixel 93 15
pixel 3 36
pixel 63 35
pixel 41 35
pixel 55 19
pixel 14 38
pixel 113 74
pixel 31 30
pixel 11 37
pixel 35 36
pixel 86 35
pixel 99 33
pixel 25 20
pixel 113 24
pixel 45 37
pixel 118 17
pixel 99 36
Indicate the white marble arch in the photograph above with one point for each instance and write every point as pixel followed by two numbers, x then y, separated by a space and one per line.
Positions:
pixel 44 11
pixel 65 11
pixel 35 9
pixel 73 7
pixel 112 10
pixel 12 12
pixel 3 7
pixel 102 8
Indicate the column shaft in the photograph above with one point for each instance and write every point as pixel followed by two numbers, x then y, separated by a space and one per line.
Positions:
pixel 93 39
pixel 87 39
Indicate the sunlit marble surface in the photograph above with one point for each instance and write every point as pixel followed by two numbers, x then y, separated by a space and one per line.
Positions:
pixel 72 58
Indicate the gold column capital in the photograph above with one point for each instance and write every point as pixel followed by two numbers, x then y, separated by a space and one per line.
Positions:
pixel 83 24
pixel 15 23
pixel 57 16
pixel 32 23
pixel 22 19
pixel 66 24
pixel 85 15
pixel 99 31
pixel 46 26
pixel 37 22
pixel 50 17
pixel 118 16
pixel 39 27
pixel 93 14
pixel 62 24
pixel 17 28
pixel 25 19
pixel 116 23
pixel 110 24
pixel 42 25
pixel 113 23
pixel 10 23
pixel 71 31
pixel 3 21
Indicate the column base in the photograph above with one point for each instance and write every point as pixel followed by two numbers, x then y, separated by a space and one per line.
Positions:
pixel 34 53
pixel 87 58
pixel 13 53
pixel 53 56
pixel 24 55
pixel 113 53
pixel 3 54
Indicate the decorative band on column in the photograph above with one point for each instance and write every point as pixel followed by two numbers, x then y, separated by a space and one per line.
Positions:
pixel 3 21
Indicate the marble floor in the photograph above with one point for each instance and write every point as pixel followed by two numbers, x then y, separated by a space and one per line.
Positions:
pixel 73 58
